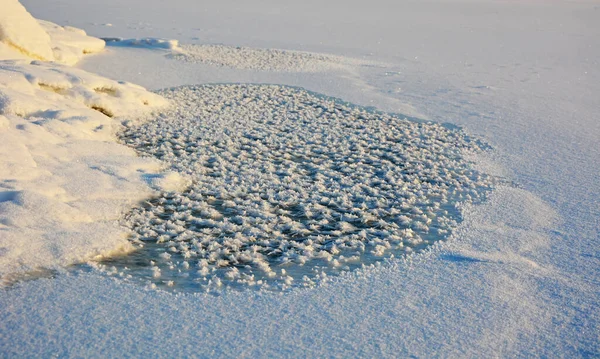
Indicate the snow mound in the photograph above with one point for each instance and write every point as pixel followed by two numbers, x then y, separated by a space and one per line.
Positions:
pixel 169 181
pixel 8 52
pixel 20 31
pixel 22 36
pixel 32 89
pixel 64 181
pixel 262 59
pixel 70 44
pixel 148 42
pixel 290 187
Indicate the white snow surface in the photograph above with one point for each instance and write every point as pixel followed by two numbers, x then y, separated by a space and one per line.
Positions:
pixel 70 44
pixel 20 31
pixel 64 180
pixel 519 278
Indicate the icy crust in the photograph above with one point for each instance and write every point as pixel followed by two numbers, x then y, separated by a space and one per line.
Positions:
pixel 262 59
pixel 290 187
pixel 23 36
pixel 64 181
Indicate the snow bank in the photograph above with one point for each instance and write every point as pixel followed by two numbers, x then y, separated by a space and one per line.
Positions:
pixel 30 87
pixel 22 36
pixel 23 33
pixel 70 44
pixel 64 180
pixel 8 52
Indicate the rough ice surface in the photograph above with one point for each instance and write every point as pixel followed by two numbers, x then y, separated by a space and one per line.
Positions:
pixel 58 88
pixel 248 58
pixel 64 181
pixel 284 178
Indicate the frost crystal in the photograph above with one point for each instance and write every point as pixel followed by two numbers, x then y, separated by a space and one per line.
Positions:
pixel 289 186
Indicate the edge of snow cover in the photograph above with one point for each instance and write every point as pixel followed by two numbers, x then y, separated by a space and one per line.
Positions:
pixel 64 179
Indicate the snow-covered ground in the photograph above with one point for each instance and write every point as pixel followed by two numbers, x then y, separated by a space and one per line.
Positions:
pixel 519 278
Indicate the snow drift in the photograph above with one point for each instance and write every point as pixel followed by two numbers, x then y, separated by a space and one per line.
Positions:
pixel 23 36
pixel 64 180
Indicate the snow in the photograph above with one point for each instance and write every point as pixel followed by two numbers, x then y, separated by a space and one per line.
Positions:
pixel 74 89
pixel 64 181
pixel 64 178
pixel 22 36
pixel 7 52
pixel 70 44
pixel 518 278
pixel 20 31
pixel 168 181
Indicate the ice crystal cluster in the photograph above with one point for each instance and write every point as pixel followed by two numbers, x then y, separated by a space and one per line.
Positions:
pixel 262 59
pixel 289 187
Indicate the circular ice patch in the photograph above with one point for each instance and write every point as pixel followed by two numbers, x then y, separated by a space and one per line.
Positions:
pixel 289 187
